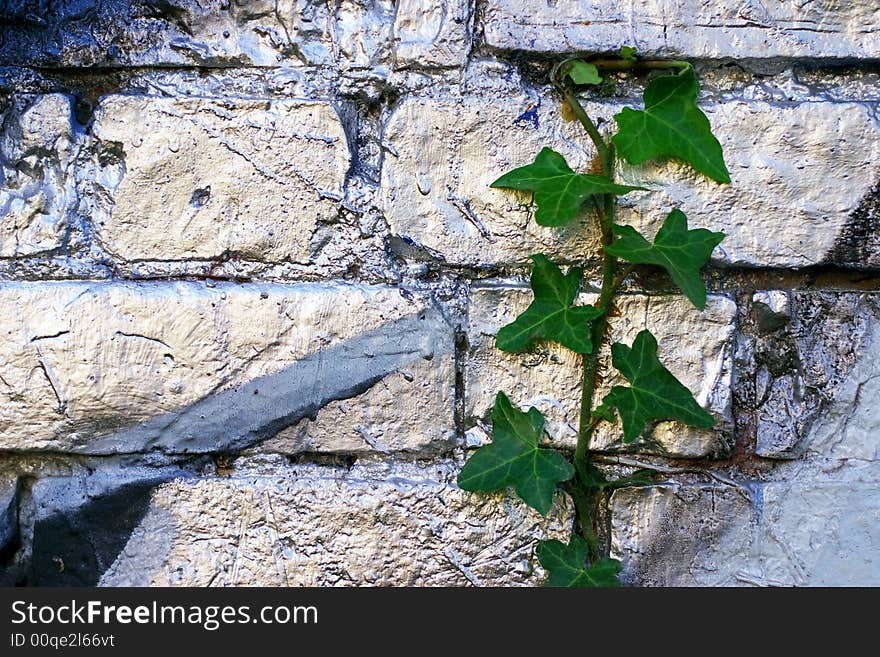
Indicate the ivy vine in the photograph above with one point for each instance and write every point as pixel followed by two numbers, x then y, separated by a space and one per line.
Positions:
pixel 671 125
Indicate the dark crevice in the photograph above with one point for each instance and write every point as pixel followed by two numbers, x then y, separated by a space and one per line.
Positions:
pixel 719 280
pixel 75 547
pixel 11 535
pixel 344 461
pixel 461 347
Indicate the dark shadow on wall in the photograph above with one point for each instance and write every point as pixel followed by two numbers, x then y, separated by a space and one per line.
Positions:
pixel 10 534
pixel 858 245
pixel 74 549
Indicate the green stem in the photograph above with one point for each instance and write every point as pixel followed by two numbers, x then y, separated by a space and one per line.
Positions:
pixel 609 283
pixel 595 136
pixel 585 504
pixel 624 65
pixel 591 361
pixel 585 497
pixel 615 65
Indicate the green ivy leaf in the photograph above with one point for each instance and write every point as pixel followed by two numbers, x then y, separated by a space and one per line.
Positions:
pixel 551 316
pixel 559 191
pixel 680 251
pixel 515 459
pixel 628 54
pixel 603 412
pixel 582 72
pixel 655 393
pixel 565 565
pixel 671 125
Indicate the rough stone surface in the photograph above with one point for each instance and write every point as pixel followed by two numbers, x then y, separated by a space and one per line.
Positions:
pixel 72 541
pixel 670 535
pixel 179 367
pixel 688 28
pixel 429 34
pixel 314 526
pixel 805 532
pixel 350 33
pixel 37 147
pixel 815 522
pixel 251 272
pixel 858 245
pixel 378 420
pixel 197 179
pixel 695 346
pixel 790 203
pixel 801 364
pixel 444 153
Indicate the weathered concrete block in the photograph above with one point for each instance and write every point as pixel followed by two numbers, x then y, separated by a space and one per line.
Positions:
pixel 790 533
pixel 687 28
pixel 801 365
pixel 36 188
pixel 671 535
pixel 182 32
pixel 391 416
pixel 218 33
pixel 813 522
pixel 179 179
pixel 780 418
pixel 695 346
pixel 790 203
pixel 447 150
pixel 373 525
pixel 431 34
pixel 182 367
pixel 360 32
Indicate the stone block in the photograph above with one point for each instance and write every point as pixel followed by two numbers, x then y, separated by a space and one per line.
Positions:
pixel 182 367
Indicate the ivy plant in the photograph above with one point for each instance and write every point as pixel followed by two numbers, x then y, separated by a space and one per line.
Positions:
pixel 670 126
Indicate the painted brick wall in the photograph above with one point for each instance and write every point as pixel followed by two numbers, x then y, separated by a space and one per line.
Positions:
pixel 251 274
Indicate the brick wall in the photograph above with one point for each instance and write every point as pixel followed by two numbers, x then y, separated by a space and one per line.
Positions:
pixel 251 273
